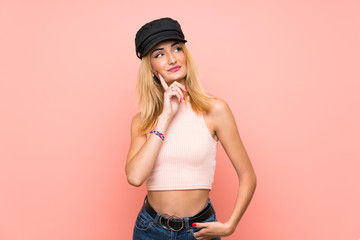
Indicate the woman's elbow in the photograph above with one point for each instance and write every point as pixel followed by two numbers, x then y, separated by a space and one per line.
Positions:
pixel 134 181
pixel 253 177
pixel 254 180
pixel 249 177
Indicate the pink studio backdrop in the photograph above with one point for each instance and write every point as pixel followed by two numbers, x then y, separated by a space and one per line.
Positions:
pixel 288 69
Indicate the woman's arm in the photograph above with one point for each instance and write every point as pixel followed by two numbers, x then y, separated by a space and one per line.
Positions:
pixel 143 152
pixel 228 134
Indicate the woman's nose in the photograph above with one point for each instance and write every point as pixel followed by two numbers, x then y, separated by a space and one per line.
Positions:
pixel 171 58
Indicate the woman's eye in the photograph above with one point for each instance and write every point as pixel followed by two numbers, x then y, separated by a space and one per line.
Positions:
pixel 178 49
pixel 158 55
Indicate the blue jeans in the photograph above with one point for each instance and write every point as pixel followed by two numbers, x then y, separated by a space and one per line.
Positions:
pixel 149 228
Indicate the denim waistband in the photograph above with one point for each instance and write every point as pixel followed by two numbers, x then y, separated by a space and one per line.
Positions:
pixel 160 217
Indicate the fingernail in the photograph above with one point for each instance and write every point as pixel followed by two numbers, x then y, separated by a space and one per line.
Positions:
pixel 194 224
pixel 184 98
pixel 186 89
pixel 180 100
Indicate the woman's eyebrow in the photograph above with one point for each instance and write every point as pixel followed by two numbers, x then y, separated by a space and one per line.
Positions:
pixel 157 49
pixel 174 44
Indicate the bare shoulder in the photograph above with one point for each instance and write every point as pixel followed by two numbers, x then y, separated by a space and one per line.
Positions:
pixel 219 107
pixel 220 114
pixel 217 116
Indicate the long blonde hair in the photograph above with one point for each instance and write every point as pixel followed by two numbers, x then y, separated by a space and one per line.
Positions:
pixel 151 92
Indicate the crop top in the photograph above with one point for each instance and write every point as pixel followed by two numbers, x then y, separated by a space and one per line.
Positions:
pixel 187 157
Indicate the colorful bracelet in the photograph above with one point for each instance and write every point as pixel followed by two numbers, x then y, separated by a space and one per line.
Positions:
pixel 158 133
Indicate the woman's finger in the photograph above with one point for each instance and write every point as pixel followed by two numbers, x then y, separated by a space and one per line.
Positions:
pixel 198 236
pixel 163 83
pixel 174 93
pixel 182 87
pixel 177 89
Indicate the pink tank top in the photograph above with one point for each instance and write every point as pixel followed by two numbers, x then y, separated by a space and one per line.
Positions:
pixel 187 157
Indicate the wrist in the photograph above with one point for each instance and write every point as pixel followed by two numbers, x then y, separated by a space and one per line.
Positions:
pixel 162 123
pixel 156 132
pixel 229 228
pixel 164 119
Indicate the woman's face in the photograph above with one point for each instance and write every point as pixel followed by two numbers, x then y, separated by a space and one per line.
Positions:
pixel 168 59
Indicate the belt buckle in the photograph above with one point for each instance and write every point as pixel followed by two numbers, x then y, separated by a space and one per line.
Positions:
pixel 169 218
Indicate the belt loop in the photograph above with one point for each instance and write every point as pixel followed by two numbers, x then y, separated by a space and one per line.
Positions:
pixel 157 218
pixel 186 220
pixel 157 214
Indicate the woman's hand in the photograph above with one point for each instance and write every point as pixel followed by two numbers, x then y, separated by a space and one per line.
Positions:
pixel 212 230
pixel 173 96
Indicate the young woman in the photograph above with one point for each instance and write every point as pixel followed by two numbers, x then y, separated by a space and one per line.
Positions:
pixel 174 142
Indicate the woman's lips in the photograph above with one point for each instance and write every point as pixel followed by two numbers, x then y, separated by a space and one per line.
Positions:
pixel 174 69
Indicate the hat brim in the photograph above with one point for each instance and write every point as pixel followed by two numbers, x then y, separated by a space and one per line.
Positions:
pixel 161 38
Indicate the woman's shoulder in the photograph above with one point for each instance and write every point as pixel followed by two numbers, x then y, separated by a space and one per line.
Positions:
pixel 218 106
pixel 218 114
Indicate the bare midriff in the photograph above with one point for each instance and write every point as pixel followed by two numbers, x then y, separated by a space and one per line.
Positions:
pixel 180 203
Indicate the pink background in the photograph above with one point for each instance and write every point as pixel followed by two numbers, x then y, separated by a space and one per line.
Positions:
pixel 288 69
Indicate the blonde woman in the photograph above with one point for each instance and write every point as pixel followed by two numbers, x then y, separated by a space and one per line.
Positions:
pixel 174 142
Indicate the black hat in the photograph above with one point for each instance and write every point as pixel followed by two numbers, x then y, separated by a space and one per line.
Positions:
pixel 156 31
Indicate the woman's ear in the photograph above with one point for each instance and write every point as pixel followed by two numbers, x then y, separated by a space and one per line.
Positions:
pixel 155 78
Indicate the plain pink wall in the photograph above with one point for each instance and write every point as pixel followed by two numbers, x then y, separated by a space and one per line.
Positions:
pixel 288 69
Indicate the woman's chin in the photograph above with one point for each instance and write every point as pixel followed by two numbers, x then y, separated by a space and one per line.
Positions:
pixel 175 78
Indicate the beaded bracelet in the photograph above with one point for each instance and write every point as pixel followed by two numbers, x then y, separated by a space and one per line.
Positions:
pixel 158 133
